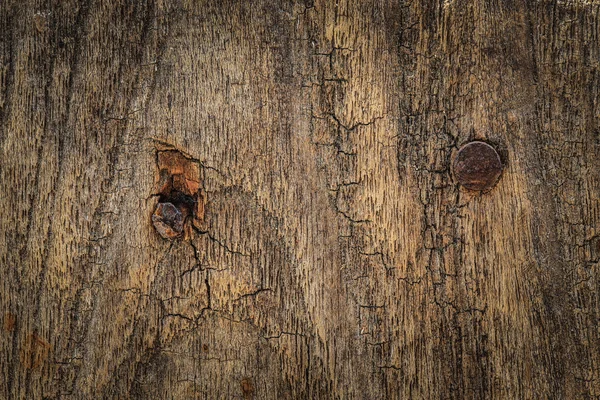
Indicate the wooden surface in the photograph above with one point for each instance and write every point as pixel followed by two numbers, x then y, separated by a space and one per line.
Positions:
pixel 337 258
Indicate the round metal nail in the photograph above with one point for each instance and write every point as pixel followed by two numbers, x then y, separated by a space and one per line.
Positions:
pixel 477 166
pixel 168 220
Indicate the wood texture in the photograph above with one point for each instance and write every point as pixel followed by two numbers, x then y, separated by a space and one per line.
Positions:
pixel 338 258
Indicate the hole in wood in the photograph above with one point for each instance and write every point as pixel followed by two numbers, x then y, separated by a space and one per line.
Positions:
pixel 180 198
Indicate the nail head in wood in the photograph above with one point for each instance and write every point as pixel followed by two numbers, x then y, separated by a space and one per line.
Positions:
pixel 168 220
pixel 477 166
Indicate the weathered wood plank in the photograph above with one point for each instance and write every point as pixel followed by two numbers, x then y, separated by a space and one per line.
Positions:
pixel 336 257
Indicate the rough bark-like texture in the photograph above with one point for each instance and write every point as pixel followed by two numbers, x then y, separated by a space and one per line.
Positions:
pixel 336 257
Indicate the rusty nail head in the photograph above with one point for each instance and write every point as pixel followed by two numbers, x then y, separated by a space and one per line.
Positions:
pixel 168 220
pixel 477 166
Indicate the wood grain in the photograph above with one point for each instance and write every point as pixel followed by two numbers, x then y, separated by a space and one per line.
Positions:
pixel 337 258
